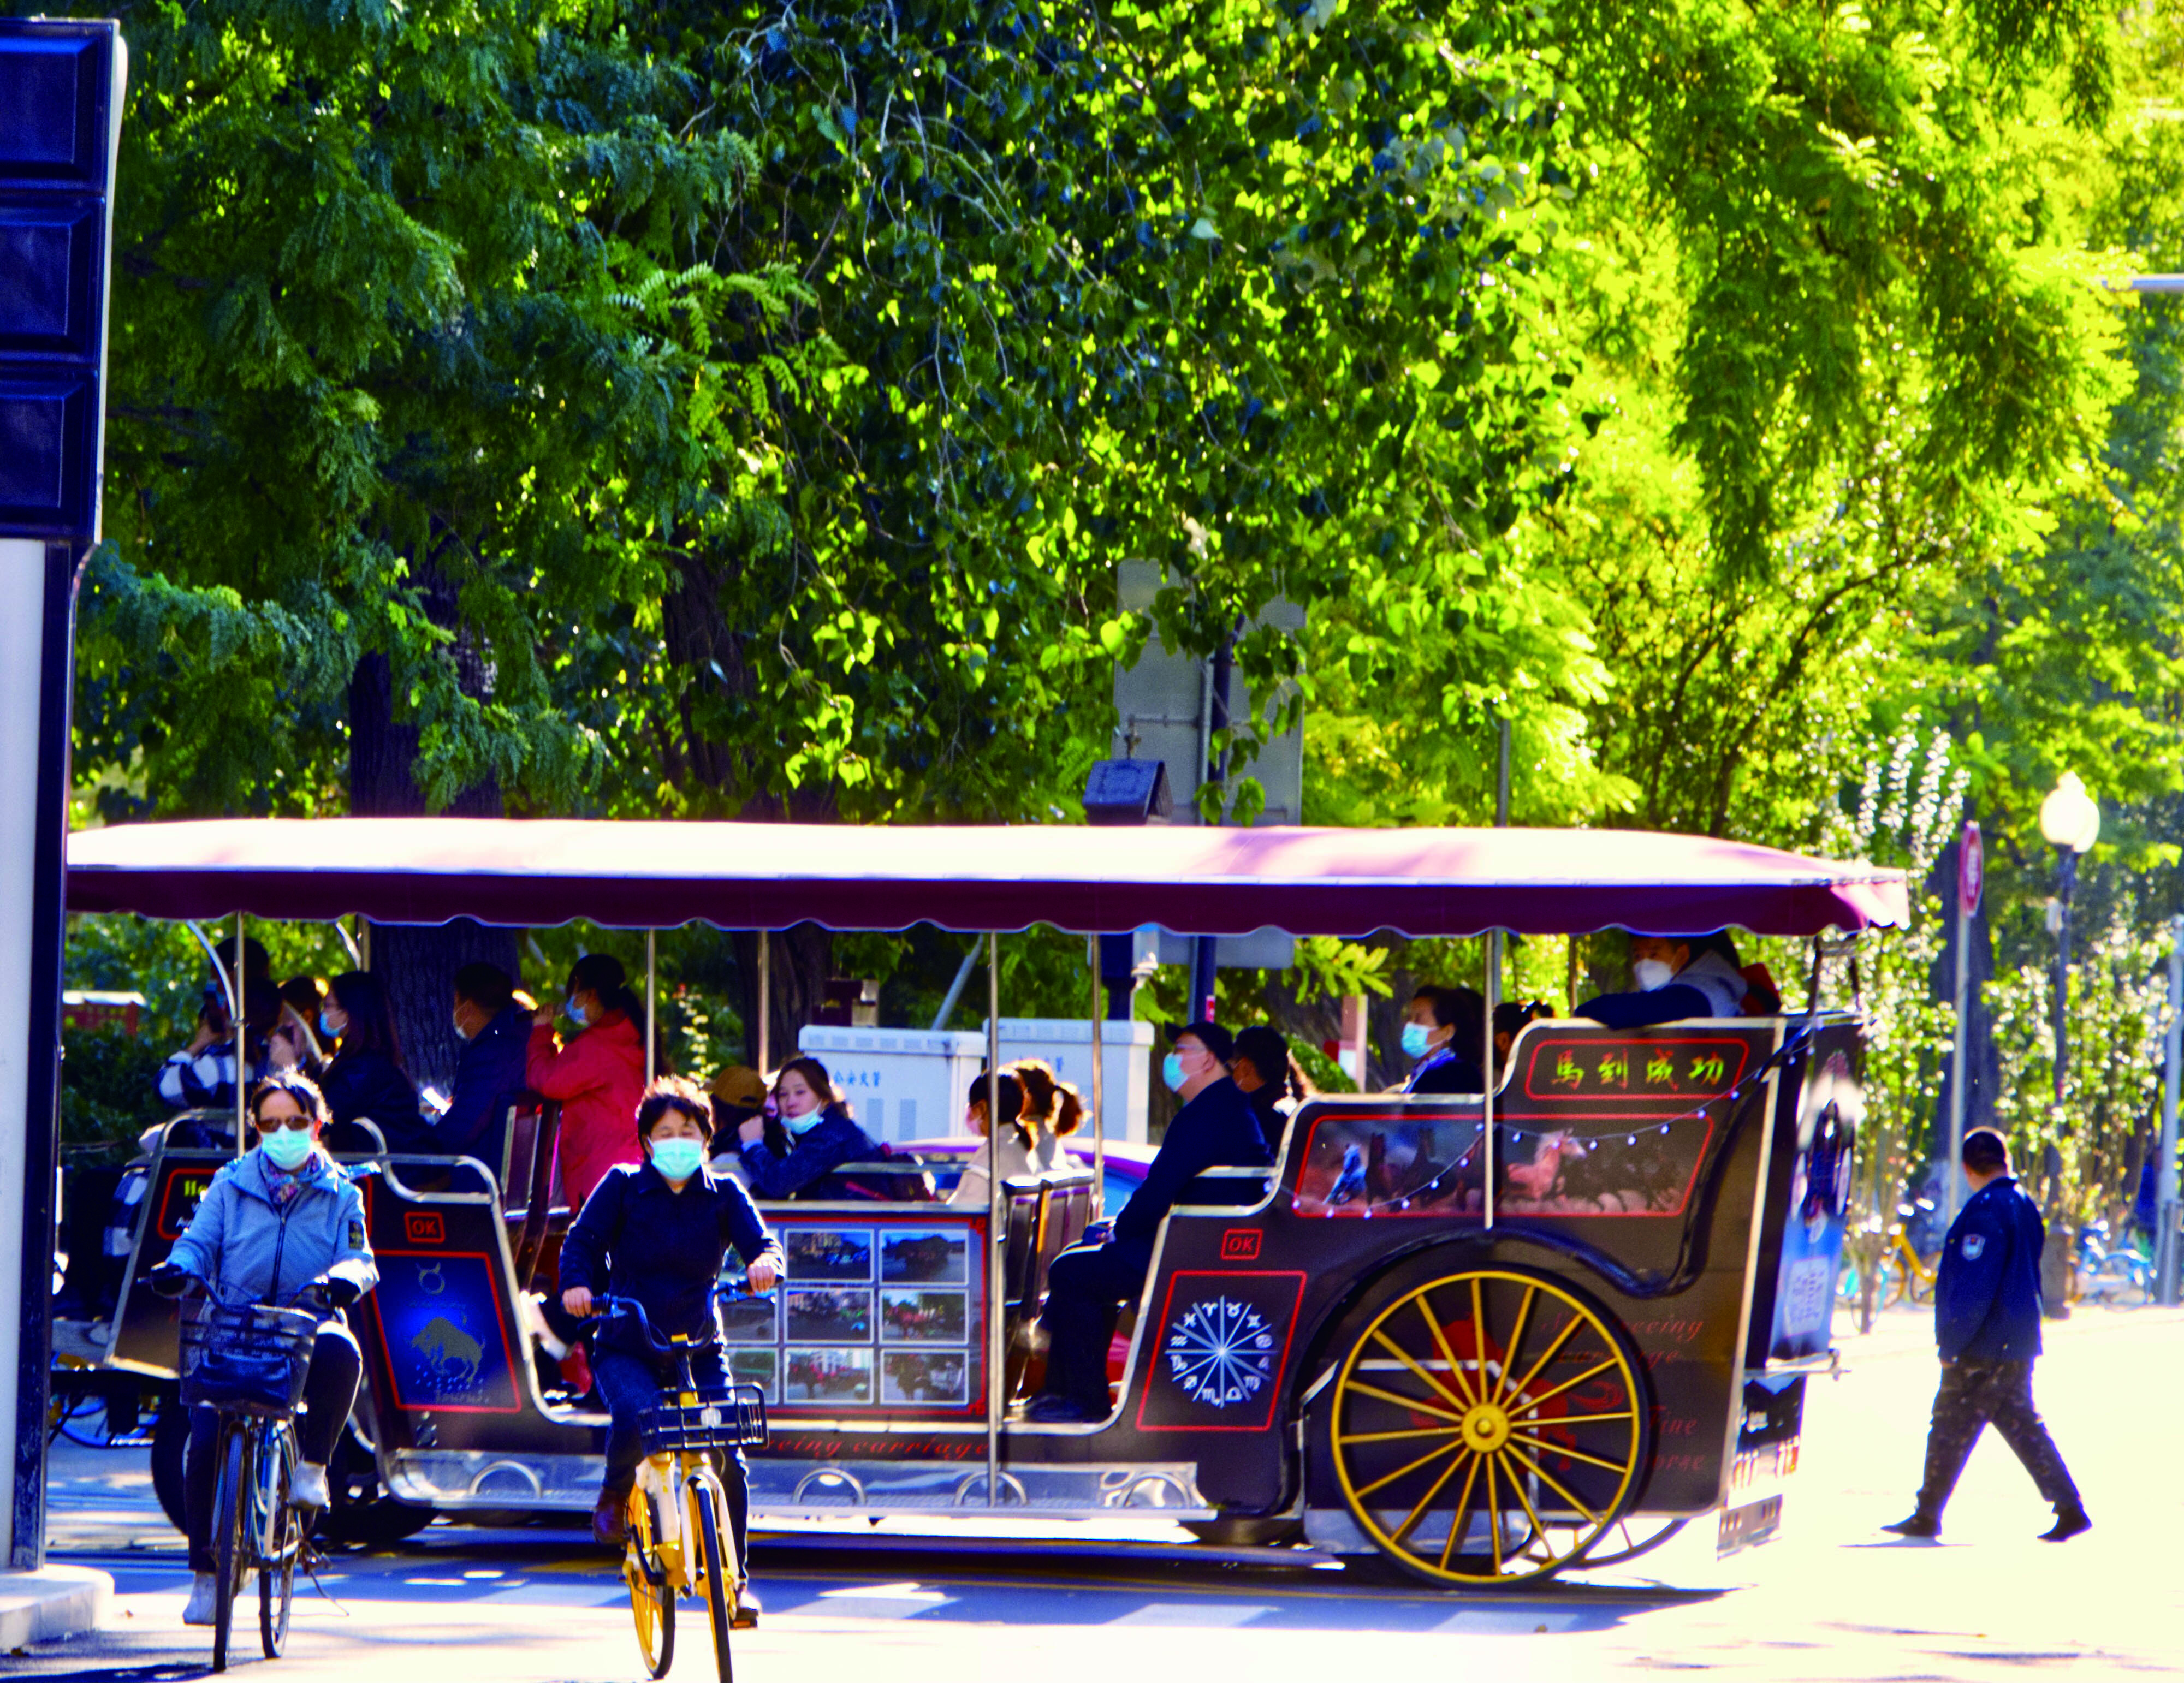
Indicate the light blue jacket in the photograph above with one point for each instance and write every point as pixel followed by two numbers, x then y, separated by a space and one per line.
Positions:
pixel 240 1238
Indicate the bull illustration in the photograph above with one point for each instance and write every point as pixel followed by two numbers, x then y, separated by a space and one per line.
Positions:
pixel 452 1356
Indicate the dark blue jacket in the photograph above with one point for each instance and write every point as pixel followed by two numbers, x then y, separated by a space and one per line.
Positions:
pixel 637 1237
pixel 808 1170
pixel 488 1075
pixel 1218 1130
pixel 371 1085
pixel 1987 1302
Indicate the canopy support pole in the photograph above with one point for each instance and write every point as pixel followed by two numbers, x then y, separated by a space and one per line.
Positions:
pixel 765 1000
pixel 651 1005
pixel 1099 1070
pixel 996 1215
pixel 1493 991
pixel 239 993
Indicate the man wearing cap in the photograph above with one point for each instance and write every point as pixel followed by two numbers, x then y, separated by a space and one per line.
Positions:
pixel 1260 1071
pixel 1986 1320
pixel 738 1093
pixel 1215 1127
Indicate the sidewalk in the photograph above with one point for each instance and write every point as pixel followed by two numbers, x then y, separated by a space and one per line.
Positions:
pixel 51 1602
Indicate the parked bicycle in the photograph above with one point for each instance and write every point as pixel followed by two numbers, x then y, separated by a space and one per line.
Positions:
pixel 2121 1278
pixel 247 1362
pixel 681 1539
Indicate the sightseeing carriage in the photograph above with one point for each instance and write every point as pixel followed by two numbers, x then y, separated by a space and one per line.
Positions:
pixel 1494 1338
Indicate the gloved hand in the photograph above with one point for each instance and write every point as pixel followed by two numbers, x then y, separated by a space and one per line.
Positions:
pixel 171 1279
pixel 337 1292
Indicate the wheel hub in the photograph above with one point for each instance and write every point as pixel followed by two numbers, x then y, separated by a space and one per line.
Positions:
pixel 1485 1427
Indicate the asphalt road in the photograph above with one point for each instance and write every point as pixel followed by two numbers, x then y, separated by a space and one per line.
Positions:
pixel 1835 1599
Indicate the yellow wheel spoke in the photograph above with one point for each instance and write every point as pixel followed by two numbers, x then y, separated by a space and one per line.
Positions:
pixel 1396 1437
pixel 1544 1448
pixel 1404 1357
pixel 1532 1403
pixel 1539 1525
pixel 1540 1366
pixel 1417 1402
pixel 1448 1355
pixel 1479 1339
pixel 1419 1512
pixel 1493 1518
pixel 1540 1473
pixel 1364 1490
pixel 1567 1419
pixel 1516 1342
pixel 1462 1508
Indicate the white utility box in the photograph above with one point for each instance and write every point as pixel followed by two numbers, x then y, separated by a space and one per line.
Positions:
pixel 1065 1042
pixel 900 1084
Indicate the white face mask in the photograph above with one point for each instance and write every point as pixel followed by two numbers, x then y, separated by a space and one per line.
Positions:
pixel 1650 974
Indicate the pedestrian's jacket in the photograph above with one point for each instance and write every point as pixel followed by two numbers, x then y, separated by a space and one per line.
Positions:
pixel 1986 1300
pixel 247 1241
pixel 371 1085
pixel 1218 1130
pixel 808 1170
pixel 599 1079
pixel 490 1074
pixel 637 1237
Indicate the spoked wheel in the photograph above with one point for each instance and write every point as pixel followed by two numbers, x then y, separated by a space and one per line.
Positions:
pixel 1489 1427
pixel 228 1547
pixel 1629 1537
pixel 282 1534
pixel 716 1560
pixel 651 1597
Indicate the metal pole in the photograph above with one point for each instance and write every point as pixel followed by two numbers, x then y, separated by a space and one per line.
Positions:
pixel 2068 873
pixel 1956 1082
pixel 651 1006
pixel 2164 1175
pixel 996 1228
pixel 240 993
pixel 765 999
pixel 1493 989
pixel 1098 1071
pixel 955 988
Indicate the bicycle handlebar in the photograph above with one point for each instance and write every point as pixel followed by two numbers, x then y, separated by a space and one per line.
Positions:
pixel 607 1305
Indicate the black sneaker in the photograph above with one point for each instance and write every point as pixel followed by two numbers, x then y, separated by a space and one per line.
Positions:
pixel 748 1609
pixel 2069 1523
pixel 1918 1526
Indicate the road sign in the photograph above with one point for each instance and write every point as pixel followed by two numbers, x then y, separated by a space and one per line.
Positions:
pixel 1971 870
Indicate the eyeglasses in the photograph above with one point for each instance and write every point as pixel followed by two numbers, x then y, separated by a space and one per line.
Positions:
pixel 298 1121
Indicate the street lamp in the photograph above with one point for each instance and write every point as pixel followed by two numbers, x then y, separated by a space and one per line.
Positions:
pixel 2071 823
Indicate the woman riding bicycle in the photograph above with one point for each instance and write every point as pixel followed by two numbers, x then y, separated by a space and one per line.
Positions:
pixel 280 1223
pixel 657 1232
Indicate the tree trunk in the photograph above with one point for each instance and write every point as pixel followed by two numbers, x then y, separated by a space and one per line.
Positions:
pixel 417 962
pixel 800 959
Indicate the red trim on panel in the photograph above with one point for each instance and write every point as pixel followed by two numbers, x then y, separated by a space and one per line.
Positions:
pixel 1281 1366
pixel 500 1321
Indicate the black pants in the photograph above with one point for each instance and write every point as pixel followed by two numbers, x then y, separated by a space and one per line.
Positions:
pixel 629 1384
pixel 1973 1393
pixel 1083 1285
pixel 328 1393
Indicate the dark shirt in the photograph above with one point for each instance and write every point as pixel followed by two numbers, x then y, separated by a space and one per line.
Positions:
pixel 1986 1300
pixel 1446 1072
pixel 1218 1128
pixel 488 1077
pixel 370 1084
pixel 808 1170
pixel 1264 1099
pixel 637 1237
pixel 1671 1003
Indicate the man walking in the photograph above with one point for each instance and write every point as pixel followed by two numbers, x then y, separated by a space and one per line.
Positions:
pixel 1986 1320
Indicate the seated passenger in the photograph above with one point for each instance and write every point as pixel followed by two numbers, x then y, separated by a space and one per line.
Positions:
pixel 1444 1034
pixel 201 1076
pixel 366 1077
pixel 659 1232
pixel 597 1077
pixel 1510 1017
pixel 796 1156
pixel 738 1093
pixel 1053 1110
pixel 1678 976
pixel 490 1069
pixel 1014 1150
pixel 1216 1128
pixel 1260 1071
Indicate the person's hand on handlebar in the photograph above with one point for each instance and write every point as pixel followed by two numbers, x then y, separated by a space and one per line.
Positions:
pixel 335 1292
pixel 764 1275
pixel 577 1300
pixel 171 1279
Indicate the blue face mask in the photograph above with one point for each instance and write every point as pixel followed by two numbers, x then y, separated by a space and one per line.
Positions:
pixel 1172 1072
pixel 287 1148
pixel 327 1028
pixel 801 1125
pixel 678 1159
pixel 578 1015
pixel 1417 1038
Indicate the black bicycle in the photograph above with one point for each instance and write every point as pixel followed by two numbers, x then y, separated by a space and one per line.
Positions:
pixel 247 1362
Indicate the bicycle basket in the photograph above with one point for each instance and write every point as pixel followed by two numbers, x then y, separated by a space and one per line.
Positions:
pixel 249 1359
pixel 736 1420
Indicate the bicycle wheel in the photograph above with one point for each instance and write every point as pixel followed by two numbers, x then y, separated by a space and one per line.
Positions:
pixel 280 1534
pixel 651 1597
pixel 229 1548
pixel 1918 1283
pixel 716 1557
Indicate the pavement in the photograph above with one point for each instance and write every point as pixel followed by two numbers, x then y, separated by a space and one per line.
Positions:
pixel 1833 1599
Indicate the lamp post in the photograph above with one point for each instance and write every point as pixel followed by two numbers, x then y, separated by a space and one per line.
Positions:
pixel 2071 823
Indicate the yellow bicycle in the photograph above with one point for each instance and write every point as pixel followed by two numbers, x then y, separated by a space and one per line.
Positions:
pixel 681 1541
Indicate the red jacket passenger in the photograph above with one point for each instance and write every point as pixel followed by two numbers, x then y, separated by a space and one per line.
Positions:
pixel 598 1077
